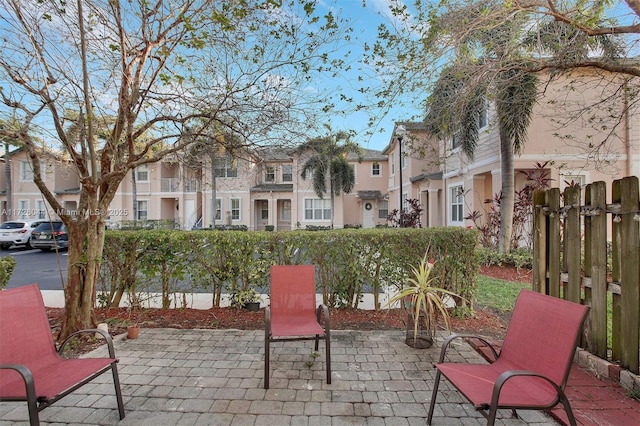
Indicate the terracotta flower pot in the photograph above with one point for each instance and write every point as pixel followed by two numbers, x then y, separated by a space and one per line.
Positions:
pixel 132 331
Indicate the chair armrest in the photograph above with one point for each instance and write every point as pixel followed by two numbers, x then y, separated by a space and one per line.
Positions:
pixel 449 339
pixel 510 374
pixel 267 322
pixel 105 334
pixel 323 310
pixel 27 377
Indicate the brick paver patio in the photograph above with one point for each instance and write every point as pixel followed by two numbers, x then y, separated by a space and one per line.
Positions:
pixel 214 377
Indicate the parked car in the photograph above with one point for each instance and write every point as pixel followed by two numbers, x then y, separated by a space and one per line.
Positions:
pixel 50 235
pixel 17 232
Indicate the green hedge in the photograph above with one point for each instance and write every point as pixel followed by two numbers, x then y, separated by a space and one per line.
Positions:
pixel 346 260
pixel 7 265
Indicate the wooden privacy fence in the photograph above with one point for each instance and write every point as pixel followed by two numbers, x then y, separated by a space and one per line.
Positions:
pixel 586 251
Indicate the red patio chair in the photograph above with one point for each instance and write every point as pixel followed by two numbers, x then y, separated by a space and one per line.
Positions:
pixel 532 368
pixel 292 314
pixel 30 367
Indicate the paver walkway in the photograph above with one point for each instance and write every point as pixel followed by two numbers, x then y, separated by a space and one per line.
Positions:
pixel 214 377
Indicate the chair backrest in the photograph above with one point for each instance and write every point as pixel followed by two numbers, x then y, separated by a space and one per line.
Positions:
pixel 293 290
pixel 543 334
pixel 25 334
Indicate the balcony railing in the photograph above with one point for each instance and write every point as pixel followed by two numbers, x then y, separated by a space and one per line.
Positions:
pixel 173 185
pixel 170 185
pixel 191 185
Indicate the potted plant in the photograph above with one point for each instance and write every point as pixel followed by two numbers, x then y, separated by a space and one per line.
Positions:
pixel 424 303
pixel 248 299
pixel 133 329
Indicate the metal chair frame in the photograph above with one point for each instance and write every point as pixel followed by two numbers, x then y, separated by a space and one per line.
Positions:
pixel 321 315
pixel 511 380
pixel 36 402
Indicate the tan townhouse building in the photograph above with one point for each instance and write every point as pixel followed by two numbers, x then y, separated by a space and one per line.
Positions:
pixel 414 161
pixel 262 189
pixel 26 200
pixel 579 144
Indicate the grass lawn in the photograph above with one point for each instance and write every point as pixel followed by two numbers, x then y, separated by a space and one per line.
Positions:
pixel 498 294
pixel 501 295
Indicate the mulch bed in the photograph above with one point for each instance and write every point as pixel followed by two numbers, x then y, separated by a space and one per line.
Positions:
pixel 483 321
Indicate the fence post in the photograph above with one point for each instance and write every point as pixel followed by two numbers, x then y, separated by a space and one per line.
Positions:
pixel 625 192
pixel 596 270
pixel 572 243
pixel 553 240
pixel 539 242
pixel 616 267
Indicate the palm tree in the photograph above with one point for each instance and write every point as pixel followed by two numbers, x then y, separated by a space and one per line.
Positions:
pixel 497 60
pixel 463 88
pixel 329 163
pixel 454 108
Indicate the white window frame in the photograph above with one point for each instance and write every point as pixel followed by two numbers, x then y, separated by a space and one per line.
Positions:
pixel 566 178
pixel 139 210
pixel 142 173
pixel 235 207
pixel 41 209
pixel 216 209
pixel 23 209
pixel 285 213
pixel 456 205
pixel 317 209
pixel 383 209
pixel 26 170
pixel 581 177
pixel 455 142
pixel 483 116
pixel 264 209
pixel 270 173
pixel 226 167
pixel 376 169
pixel 405 205
pixel 287 173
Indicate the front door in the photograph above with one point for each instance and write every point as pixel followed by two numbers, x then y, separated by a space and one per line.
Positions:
pixel 368 214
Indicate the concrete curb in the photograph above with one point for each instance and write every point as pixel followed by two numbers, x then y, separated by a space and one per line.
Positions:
pixel 55 299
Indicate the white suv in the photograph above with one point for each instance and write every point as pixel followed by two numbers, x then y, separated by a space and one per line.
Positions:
pixel 17 232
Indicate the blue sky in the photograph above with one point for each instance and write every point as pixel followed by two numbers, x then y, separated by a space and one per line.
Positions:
pixel 365 17
pixel 365 21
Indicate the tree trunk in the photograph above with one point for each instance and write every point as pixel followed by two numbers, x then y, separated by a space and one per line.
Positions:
pixel 508 193
pixel 86 239
pixel 7 172
pixel 213 190
pixel 134 195
pixel 166 301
